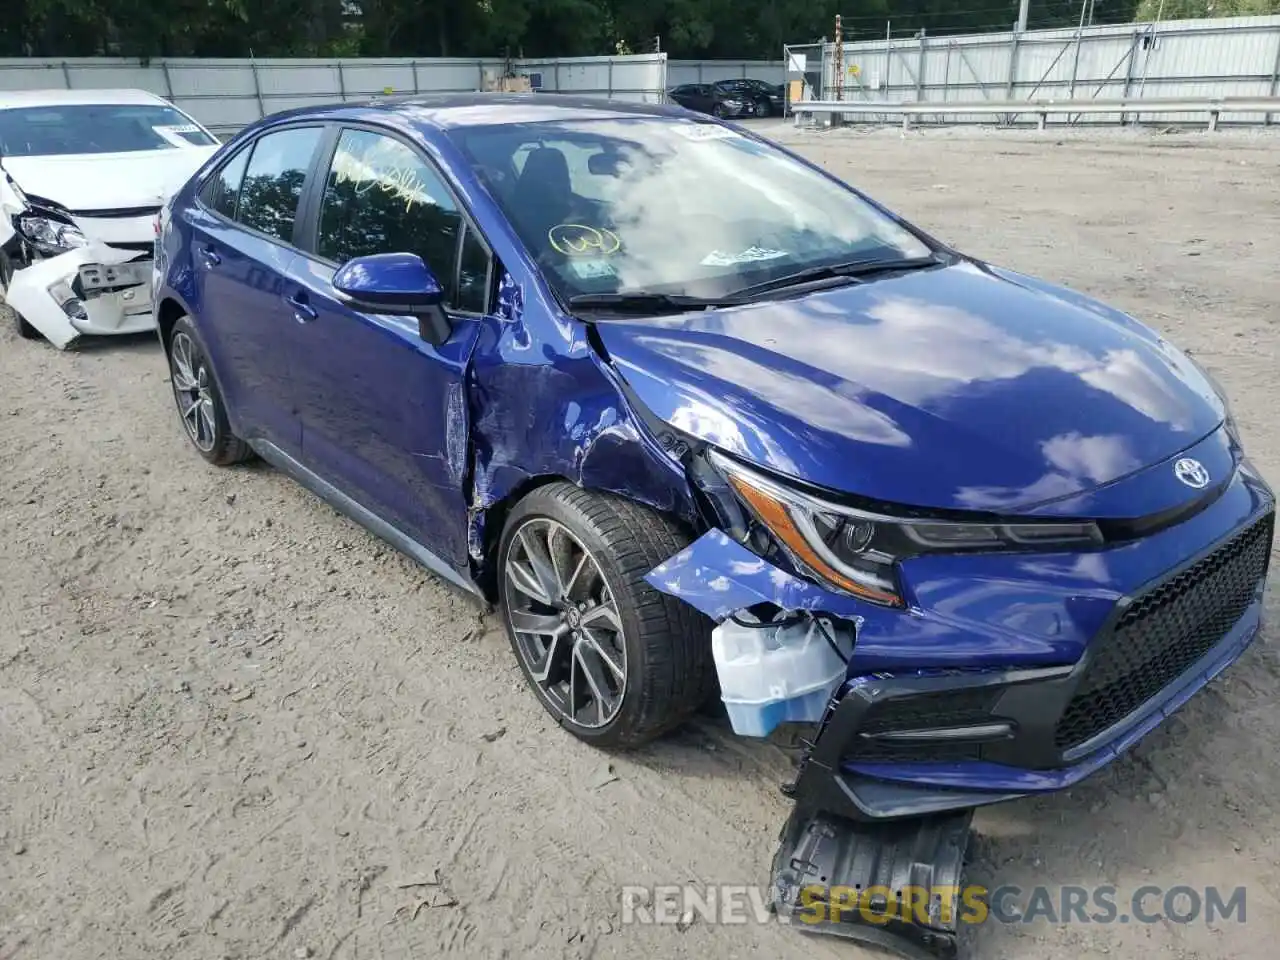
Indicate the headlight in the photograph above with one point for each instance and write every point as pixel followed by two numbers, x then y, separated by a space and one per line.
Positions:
pixel 50 237
pixel 734 104
pixel 857 551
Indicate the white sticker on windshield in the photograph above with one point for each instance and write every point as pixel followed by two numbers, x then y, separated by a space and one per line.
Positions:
pixel 718 258
pixel 175 134
pixel 706 131
pixel 594 269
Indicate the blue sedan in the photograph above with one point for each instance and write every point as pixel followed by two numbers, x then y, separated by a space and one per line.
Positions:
pixel 702 420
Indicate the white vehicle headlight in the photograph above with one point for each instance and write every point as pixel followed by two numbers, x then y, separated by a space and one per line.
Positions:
pixel 857 551
pixel 50 236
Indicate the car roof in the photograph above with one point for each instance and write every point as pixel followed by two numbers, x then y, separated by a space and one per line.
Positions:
pixel 456 110
pixel 52 98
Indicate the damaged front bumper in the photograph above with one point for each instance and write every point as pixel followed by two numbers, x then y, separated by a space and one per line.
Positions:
pixel 1005 676
pixel 92 290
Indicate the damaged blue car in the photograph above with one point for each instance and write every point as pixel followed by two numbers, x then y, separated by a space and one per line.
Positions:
pixel 702 420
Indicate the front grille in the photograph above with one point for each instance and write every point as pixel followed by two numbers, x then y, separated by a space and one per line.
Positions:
pixel 1163 632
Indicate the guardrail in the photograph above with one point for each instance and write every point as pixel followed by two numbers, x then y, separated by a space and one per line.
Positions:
pixel 1213 106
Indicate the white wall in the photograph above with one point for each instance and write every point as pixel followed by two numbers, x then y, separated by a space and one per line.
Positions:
pixel 709 71
pixel 228 94
pixel 1238 56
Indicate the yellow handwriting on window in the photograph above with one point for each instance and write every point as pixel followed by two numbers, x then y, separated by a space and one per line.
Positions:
pixel 386 166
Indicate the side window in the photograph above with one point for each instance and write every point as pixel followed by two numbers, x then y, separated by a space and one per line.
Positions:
pixel 223 188
pixel 380 196
pixel 274 179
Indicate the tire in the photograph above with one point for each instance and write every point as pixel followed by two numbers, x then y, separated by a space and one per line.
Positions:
pixel 199 401
pixel 664 644
pixel 25 330
pixel 718 110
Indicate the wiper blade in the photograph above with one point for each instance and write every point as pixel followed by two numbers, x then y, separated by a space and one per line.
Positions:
pixel 644 303
pixel 853 270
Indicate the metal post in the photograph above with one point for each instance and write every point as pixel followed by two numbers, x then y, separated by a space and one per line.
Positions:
pixel 66 75
pixel 1022 16
pixel 1275 77
pixel 920 68
pixel 839 62
pixel 946 73
pixel 699 71
pixel 168 81
pixel 556 74
pixel 342 83
pixel 257 86
pixel 610 94
pixel 1075 63
pixel 1128 72
pixel 744 71
pixel 888 54
pixel 480 74
pixel 416 87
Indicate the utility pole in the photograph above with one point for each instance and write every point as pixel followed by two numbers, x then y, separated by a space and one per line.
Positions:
pixel 1022 15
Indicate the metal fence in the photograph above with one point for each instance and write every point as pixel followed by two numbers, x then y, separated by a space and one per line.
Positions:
pixel 1230 57
pixel 226 95
pixel 709 71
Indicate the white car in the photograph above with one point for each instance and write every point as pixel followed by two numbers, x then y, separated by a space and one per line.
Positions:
pixel 83 177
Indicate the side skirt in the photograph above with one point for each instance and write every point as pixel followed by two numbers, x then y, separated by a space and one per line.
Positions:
pixel 353 510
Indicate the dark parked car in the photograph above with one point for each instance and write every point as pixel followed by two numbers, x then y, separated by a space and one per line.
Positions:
pixel 688 408
pixel 769 98
pixel 717 100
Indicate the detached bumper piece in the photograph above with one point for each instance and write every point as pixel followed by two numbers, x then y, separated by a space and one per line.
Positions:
pixel 893 885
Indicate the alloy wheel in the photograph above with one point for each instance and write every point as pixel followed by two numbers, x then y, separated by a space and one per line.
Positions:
pixel 191 387
pixel 565 619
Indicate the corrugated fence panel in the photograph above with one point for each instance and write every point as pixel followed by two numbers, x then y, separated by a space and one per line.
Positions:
pixel 709 71
pixel 1237 56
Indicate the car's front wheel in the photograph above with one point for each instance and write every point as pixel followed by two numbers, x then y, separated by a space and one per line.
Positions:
pixel 204 417
pixel 615 661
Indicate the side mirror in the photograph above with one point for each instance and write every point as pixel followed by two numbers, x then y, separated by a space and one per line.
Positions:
pixel 395 283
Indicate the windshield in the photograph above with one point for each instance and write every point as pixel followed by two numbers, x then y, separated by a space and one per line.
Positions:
pixel 671 206
pixel 69 129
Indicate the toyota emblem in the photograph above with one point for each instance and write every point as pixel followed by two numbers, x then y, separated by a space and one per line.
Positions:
pixel 1192 473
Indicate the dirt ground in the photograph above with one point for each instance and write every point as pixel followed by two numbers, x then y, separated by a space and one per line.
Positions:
pixel 232 724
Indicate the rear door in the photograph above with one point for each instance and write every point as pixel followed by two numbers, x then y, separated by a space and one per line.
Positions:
pixel 384 413
pixel 243 234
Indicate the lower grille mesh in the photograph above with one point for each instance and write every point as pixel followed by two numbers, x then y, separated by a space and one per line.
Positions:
pixel 1164 631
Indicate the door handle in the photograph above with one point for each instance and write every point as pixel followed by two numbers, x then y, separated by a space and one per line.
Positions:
pixel 303 312
pixel 210 256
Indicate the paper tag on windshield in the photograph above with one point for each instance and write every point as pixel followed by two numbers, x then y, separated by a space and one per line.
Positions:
pixel 592 269
pixel 705 131
pixel 175 134
pixel 718 258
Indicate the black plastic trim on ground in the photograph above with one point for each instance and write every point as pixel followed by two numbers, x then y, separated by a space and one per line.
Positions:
pixel 823 859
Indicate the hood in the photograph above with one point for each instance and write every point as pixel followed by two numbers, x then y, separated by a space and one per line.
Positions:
pixel 965 387
pixel 108 181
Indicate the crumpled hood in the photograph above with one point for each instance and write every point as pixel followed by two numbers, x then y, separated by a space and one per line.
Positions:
pixel 966 387
pixel 108 181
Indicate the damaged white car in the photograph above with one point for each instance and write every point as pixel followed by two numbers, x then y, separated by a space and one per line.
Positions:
pixel 83 177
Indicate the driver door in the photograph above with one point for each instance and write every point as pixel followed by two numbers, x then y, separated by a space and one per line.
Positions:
pixel 384 413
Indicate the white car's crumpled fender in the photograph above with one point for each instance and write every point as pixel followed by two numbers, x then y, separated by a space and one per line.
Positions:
pixel 38 291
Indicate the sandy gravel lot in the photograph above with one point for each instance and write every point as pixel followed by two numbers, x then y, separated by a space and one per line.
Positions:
pixel 233 725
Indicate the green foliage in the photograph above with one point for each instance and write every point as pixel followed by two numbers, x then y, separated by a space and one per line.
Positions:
pixel 736 29
pixel 1196 9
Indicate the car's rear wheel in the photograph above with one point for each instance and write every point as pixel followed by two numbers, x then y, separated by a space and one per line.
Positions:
pixel 204 417
pixel 24 329
pixel 615 661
